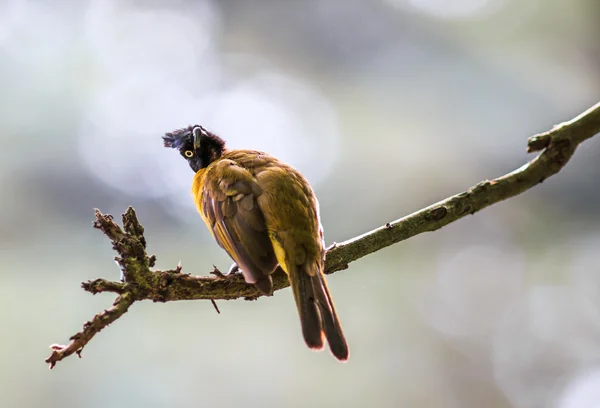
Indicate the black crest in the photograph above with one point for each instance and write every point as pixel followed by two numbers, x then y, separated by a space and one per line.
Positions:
pixel 196 144
pixel 179 137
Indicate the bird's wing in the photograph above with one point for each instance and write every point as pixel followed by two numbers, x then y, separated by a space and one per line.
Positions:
pixel 231 212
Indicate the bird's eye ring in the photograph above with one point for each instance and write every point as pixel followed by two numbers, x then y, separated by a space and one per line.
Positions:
pixel 188 153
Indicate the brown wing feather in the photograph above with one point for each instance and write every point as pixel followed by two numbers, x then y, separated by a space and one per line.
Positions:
pixel 237 223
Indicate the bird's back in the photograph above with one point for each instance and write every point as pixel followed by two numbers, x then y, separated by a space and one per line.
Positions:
pixel 287 202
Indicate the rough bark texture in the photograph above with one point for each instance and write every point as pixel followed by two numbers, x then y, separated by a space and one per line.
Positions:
pixel 140 282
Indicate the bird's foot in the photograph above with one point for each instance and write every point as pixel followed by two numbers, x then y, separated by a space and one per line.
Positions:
pixel 234 269
pixel 330 247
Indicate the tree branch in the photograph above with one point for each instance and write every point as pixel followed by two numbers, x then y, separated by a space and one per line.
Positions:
pixel 90 329
pixel 140 282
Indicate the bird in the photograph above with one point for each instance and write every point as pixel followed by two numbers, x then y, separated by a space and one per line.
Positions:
pixel 265 215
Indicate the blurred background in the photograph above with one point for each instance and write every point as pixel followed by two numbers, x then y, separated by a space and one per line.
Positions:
pixel 386 106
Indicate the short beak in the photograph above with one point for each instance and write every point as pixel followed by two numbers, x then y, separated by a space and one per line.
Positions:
pixel 197 134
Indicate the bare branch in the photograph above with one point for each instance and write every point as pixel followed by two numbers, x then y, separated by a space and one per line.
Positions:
pixel 559 144
pixel 577 130
pixel 90 329
pixel 142 283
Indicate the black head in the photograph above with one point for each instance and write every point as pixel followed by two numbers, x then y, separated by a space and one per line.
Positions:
pixel 196 144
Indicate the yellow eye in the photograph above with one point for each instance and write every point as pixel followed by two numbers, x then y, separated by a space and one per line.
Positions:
pixel 188 153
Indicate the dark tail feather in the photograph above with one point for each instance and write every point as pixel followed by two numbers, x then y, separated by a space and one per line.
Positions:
pixel 307 309
pixel 317 314
pixel 329 319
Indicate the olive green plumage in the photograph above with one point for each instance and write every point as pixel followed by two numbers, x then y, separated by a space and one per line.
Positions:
pixel 264 214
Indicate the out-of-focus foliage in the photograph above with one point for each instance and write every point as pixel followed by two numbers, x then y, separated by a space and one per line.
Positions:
pixel 386 106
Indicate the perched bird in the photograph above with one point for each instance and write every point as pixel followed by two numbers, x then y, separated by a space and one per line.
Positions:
pixel 265 215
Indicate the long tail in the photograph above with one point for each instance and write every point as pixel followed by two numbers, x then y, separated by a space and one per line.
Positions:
pixel 317 312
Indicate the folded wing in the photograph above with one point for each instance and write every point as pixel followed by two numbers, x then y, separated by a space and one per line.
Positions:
pixel 230 209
